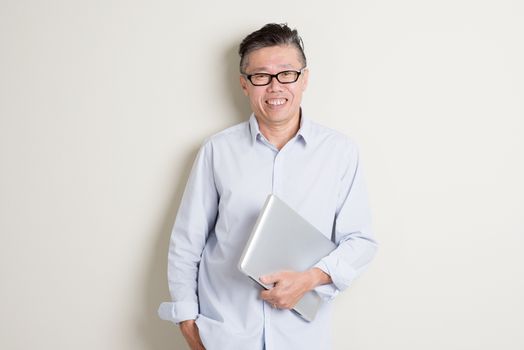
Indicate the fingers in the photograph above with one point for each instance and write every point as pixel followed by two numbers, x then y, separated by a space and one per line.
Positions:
pixel 277 298
pixel 289 287
pixel 270 279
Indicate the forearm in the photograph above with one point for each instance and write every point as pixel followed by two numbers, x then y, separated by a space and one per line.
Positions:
pixel 190 332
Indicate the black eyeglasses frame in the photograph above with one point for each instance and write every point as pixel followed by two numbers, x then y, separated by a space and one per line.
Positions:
pixel 271 76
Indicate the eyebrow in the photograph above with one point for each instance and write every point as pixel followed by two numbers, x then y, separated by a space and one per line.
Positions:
pixel 265 69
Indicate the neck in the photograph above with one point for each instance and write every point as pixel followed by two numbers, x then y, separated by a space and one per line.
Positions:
pixel 278 134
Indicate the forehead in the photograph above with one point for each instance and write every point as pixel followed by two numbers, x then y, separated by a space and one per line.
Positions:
pixel 274 58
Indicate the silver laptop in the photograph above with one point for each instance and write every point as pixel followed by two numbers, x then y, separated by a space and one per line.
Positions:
pixel 283 240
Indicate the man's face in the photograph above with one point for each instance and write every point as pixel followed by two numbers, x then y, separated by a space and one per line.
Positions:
pixel 275 103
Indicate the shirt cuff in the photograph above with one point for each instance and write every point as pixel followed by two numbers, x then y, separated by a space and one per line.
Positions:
pixel 179 311
pixel 325 291
pixel 340 272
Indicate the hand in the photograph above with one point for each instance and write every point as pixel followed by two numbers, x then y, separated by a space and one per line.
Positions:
pixel 290 286
pixel 189 330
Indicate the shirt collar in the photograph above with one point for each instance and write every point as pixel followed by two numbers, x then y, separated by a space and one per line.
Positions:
pixel 253 128
pixel 303 131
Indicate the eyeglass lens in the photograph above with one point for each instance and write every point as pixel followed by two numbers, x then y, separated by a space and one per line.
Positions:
pixel 285 77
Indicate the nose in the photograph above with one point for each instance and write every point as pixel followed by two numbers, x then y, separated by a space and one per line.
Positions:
pixel 274 85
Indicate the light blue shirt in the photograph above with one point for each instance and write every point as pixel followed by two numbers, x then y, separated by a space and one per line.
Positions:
pixel 318 174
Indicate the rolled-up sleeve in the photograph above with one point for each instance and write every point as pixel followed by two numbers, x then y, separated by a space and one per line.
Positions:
pixel 352 233
pixel 195 220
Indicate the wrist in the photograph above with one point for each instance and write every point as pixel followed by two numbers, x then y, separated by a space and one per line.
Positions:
pixel 186 323
pixel 318 277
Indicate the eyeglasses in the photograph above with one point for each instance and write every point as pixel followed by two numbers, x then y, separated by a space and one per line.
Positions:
pixel 285 77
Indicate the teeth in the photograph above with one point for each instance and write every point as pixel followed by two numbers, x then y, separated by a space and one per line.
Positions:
pixel 276 101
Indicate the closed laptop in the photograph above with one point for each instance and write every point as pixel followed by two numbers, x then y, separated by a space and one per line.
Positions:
pixel 283 240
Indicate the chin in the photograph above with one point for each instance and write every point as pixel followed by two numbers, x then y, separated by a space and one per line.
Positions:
pixel 279 116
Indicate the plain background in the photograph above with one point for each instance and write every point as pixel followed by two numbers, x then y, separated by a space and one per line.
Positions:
pixel 103 105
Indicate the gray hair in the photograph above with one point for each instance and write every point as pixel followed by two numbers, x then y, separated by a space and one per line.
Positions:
pixel 271 34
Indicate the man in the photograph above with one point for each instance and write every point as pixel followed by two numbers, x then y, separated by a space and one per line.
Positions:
pixel 278 150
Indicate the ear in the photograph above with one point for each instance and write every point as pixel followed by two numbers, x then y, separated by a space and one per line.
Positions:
pixel 305 79
pixel 243 84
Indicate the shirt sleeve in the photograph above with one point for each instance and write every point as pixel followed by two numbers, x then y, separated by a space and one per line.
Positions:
pixel 356 245
pixel 195 219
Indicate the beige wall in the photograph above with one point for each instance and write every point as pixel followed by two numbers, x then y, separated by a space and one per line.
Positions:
pixel 103 105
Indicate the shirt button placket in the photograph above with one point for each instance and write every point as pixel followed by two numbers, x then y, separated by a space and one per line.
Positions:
pixel 276 172
pixel 267 325
pixel 277 160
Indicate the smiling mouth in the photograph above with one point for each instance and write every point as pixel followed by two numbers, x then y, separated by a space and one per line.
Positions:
pixel 276 101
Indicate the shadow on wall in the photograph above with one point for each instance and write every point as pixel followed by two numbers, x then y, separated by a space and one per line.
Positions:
pixel 158 334
pixel 232 90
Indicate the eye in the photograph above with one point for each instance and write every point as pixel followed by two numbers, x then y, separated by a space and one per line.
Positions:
pixel 259 77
